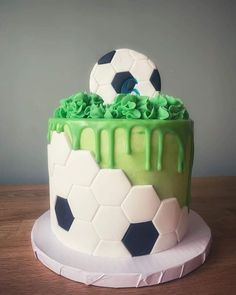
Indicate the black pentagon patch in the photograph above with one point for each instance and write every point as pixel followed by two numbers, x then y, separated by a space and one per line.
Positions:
pixel 123 82
pixel 63 213
pixel 155 79
pixel 140 238
pixel 105 59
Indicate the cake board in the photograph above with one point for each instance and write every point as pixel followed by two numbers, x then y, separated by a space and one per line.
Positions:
pixel 140 271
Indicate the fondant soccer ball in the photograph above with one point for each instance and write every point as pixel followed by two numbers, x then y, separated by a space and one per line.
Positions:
pixel 124 71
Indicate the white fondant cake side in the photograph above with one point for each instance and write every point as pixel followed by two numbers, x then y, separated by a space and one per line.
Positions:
pixel 98 211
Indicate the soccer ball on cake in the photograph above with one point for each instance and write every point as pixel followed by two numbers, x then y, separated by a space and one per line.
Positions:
pixel 124 71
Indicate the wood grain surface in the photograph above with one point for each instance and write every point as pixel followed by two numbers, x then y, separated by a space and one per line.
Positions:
pixel 20 273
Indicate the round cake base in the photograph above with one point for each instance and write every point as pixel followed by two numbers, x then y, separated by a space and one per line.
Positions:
pixel 140 271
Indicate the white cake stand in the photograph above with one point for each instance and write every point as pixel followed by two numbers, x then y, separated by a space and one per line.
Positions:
pixel 140 271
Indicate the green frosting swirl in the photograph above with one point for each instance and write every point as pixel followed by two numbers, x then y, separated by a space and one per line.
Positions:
pixel 125 106
pixel 81 105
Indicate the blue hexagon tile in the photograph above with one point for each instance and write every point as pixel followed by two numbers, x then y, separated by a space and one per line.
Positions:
pixel 140 238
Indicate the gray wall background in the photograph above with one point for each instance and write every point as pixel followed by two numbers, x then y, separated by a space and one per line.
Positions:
pixel 47 49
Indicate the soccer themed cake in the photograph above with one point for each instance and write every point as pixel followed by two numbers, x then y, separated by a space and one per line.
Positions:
pixel 120 161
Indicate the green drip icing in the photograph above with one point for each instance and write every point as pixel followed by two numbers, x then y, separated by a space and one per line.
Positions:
pixel 58 127
pixel 181 140
pixel 97 133
pixel 54 126
pixel 180 165
pixel 160 146
pixel 111 146
pixel 74 128
pixel 74 133
pixel 148 138
pixel 188 200
pixel 128 140
pixel 49 134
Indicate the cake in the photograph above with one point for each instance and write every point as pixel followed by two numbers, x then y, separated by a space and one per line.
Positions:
pixel 120 160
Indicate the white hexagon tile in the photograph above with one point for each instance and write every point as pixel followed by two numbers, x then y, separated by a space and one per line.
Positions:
pixel 103 74
pixel 110 187
pixel 146 88
pixel 60 233
pixel 82 202
pixel 137 55
pixel 142 70
pixel 58 150
pixel 164 242
pixel 80 169
pixel 111 249
pixel 167 216
pixel 82 236
pixel 93 84
pixel 107 92
pixel 141 203
pixel 182 225
pixel 52 196
pixel 122 60
pixel 110 223
pixel 60 182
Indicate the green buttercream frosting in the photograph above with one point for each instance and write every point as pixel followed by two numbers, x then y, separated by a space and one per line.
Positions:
pixel 124 106
pixel 81 105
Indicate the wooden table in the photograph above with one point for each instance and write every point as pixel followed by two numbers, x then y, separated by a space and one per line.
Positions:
pixel 20 273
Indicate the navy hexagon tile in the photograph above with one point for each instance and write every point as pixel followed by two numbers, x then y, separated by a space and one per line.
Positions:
pixel 63 213
pixel 140 238
pixel 155 79
pixel 105 59
pixel 123 82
